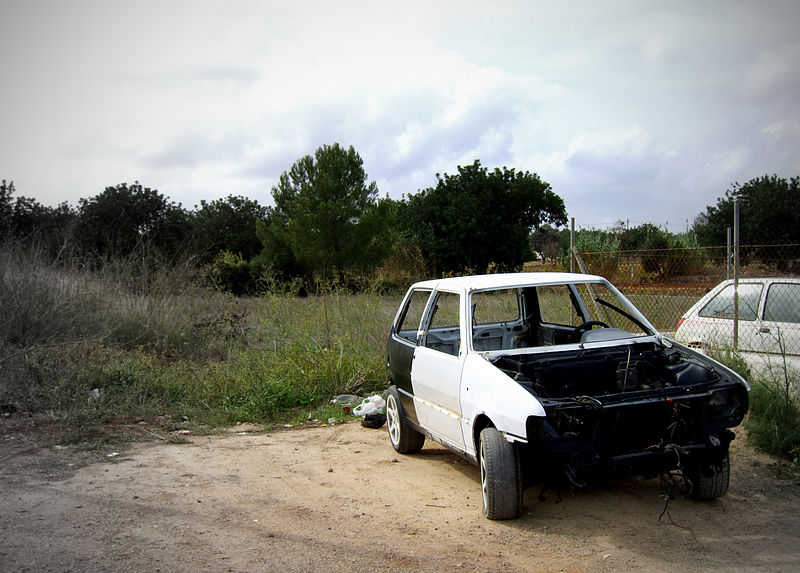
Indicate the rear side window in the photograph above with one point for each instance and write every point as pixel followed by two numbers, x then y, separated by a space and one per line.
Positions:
pixel 495 306
pixel 783 303
pixel 412 315
pixel 721 306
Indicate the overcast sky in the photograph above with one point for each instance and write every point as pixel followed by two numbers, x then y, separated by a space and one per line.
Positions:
pixel 638 111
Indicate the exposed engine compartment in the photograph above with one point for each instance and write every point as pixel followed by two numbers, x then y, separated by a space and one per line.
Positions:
pixel 634 408
pixel 605 371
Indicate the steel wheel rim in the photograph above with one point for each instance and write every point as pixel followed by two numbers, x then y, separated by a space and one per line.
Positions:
pixel 484 481
pixel 393 420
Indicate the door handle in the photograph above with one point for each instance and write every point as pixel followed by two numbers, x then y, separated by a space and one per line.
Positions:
pixel 764 330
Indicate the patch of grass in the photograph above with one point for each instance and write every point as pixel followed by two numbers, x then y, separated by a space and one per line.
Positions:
pixel 100 353
pixel 774 420
pixel 734 361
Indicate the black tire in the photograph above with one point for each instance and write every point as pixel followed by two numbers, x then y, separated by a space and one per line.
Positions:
pixel 404 438
pixel 711 481
pixel 501 476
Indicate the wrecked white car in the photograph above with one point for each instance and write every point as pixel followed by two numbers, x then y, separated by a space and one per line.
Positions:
pixel 537 376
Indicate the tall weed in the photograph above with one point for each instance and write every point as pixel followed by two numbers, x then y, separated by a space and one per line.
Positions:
pixel 90 347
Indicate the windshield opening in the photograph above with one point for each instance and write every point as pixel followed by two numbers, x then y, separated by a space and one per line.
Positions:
pixel 551 315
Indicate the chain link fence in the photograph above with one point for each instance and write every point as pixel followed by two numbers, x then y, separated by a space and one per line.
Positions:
pixel 680 291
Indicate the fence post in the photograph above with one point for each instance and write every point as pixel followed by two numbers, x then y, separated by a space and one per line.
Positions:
pixel 729 255
pixel 736 275
pixel 572 245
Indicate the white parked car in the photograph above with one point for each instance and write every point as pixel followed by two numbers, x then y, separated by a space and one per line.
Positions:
pixel 769 317
pixel 540 376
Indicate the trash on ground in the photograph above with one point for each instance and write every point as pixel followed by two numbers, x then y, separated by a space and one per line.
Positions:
pixel 372 405
pixel 373 420
pixel 347 400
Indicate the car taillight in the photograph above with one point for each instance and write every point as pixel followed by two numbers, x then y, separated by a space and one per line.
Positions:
pixel 680 322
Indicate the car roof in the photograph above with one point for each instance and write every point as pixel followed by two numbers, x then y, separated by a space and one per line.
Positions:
pixel 505 280
pixel 764 280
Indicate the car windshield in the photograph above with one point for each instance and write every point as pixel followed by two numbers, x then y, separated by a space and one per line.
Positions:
pixel 549 315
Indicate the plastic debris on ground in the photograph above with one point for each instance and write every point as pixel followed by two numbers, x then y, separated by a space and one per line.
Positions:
pixel 346 400
pixel 373 411
pixel 372 405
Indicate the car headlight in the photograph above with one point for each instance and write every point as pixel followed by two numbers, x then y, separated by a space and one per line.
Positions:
pixel 725 404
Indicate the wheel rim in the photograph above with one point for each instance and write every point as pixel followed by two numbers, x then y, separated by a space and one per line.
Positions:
pixel 393 419
pixel 484 481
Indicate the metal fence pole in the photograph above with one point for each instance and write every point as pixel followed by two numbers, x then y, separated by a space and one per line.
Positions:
pixel 736 237
pixel 729 255
pixel 572 245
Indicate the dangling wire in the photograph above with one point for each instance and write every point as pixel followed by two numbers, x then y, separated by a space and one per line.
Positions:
pixel 674 485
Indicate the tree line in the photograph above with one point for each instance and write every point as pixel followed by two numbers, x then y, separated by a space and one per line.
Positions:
pixel 329 225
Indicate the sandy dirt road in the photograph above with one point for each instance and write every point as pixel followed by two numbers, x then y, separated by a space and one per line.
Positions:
pixel 338 498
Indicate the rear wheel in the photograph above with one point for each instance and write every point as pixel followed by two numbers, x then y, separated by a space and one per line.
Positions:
pixel 404 438
pixel 501 476
pixel 711 481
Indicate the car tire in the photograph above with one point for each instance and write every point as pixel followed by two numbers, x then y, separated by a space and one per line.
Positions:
pixel 501 476
pixel 711 481
pixel 404 438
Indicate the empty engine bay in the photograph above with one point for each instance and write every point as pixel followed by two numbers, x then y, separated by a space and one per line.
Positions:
pixel 604 371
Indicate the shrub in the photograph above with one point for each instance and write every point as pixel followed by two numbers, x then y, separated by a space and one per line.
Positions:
pixel 231 273
pixel 774 421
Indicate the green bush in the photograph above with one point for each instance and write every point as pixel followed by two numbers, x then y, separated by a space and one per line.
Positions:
pixel 232 274
pixel 774 421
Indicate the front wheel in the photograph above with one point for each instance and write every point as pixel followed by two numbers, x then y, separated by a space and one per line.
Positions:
pixel 711 481
pixel 404 438
pixel 501 476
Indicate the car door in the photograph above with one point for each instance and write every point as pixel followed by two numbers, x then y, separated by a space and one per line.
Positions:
pixel 714 323
pixel 436 368
pixel 403 342
pixel 778 330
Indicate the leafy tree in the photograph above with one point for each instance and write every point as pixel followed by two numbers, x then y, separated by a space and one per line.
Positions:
pixel 479 218
pixel 637 238
pixel 326 219
pixel 769 213
pixel 546 241
pixel 50 228
pixel 6 208
pixel 227 225
pixel 277 254
pixel 27 220
pixel 123 219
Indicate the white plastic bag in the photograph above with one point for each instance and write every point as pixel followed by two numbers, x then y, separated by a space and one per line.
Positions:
pixel 372 405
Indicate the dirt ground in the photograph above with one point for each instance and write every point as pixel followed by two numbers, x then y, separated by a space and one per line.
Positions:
pixel 338 498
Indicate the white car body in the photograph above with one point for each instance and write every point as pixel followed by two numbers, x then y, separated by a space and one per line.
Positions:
pixel 508 367
pixel 768 325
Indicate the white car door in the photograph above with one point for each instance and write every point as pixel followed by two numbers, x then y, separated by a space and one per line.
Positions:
pixel 779 328
pixel 436 370
pixel 713 324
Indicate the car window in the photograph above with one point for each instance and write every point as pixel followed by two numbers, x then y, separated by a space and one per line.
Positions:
pixel 412 314
pixel 783 303
pixel 495 306
pixel 556 305
pixel 560 305
pixel 444 332
pixel 445 312
pixel 721 306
